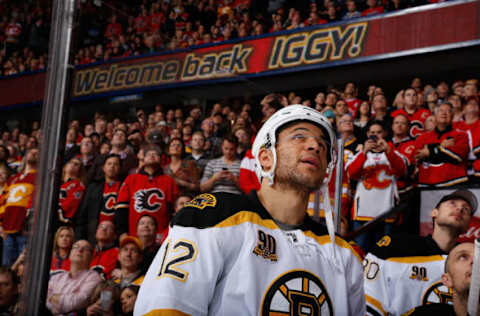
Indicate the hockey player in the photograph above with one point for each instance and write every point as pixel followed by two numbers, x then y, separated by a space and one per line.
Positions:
pixel 260 254
pixel 458 272
pixel 404 271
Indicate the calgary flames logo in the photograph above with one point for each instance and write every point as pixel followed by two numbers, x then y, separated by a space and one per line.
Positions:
pixel 416 128
pixel 378 176
pixel 149 200
pixel 110 202
pixel 297 292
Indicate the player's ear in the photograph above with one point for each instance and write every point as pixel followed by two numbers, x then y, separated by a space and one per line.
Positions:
pixel 265 157
pixel 434 213
pixel 447 280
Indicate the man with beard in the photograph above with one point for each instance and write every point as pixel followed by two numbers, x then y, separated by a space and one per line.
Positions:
pixel 261 253
pixel 13 212
pixel 457 276
pixel 147 192
pixel 404 271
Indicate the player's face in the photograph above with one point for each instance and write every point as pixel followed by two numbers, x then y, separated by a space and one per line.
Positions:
pixel 301 157
pixel 460 268
pixel 454 213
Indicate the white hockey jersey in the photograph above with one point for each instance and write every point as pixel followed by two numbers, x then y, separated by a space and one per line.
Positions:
pixel 376 189
pixel 403 272
pixel 225 255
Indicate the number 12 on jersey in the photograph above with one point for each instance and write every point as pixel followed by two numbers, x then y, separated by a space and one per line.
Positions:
pixel 183 251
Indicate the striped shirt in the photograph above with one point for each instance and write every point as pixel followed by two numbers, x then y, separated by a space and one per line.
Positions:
pixel 217 165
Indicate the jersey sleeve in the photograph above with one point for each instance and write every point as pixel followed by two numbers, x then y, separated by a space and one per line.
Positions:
pixel 375 284
pixel 121 208
pixel 182 277
pixel 356 294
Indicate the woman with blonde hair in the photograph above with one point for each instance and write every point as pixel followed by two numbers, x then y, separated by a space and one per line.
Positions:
pixel 62 244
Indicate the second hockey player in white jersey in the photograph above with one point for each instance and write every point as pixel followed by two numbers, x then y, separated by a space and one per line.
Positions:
pixel 260 254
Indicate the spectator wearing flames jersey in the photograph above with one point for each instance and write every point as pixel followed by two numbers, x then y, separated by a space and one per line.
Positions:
pixel 71 191
pixel 13 212
pixel 62 244
pixel 416 116
pixel 99 201
pixel 147 192
pixel 441 154
pixel 376 168
pixel 105 253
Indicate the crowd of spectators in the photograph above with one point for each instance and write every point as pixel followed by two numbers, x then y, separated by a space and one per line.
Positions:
pixel 123 180
pixel 132 28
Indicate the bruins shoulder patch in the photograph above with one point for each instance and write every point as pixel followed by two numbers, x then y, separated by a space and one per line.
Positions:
pixel 202 201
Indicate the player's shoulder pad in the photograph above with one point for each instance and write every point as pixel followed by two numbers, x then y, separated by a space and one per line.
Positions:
pixel 401 245
pixel 209 209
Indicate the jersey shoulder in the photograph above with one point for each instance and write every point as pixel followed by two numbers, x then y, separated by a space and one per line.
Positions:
pixel 405 245
pixel 438 309
pixel 210 209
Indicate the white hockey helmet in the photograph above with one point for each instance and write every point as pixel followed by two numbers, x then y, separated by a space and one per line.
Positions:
pixel 266 137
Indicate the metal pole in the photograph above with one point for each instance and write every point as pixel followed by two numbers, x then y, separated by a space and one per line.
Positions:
pixel 39 250
pixel 338 185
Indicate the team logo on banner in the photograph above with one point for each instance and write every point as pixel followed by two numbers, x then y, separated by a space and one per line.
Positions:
pixel 297 292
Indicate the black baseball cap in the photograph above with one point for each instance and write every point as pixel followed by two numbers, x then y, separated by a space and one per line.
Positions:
pixel 465 195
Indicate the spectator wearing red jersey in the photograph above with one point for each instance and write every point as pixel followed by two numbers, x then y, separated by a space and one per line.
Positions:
pixel 156 18
pixel 141 21
pixel 105 253
pixel 441 154
pixel 62 244
pixel 147 192
pixel 470 90
pixel 314 19
pixel 99 202
pixel 372 8
pixel 350 96
pixel 13 212
pixel 71 191
pixel 416 116
pixel 13 31
pixel 471 115
pixel 114 28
